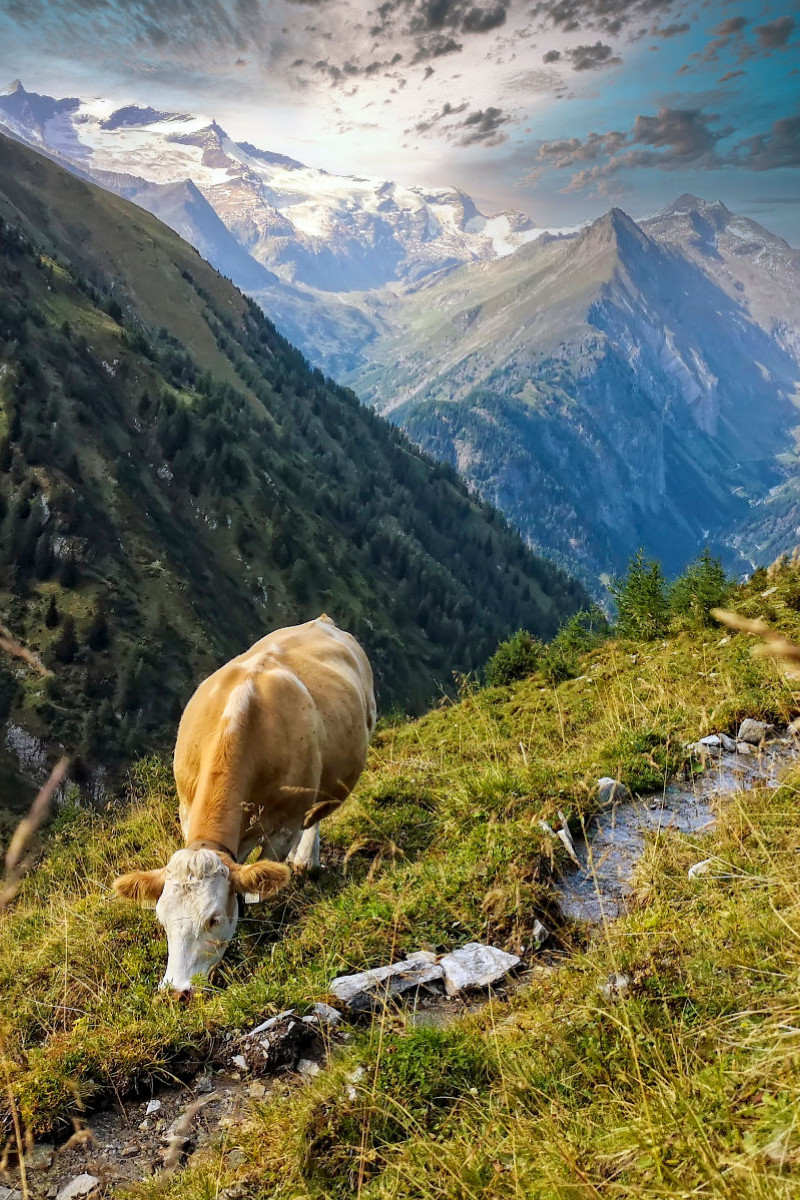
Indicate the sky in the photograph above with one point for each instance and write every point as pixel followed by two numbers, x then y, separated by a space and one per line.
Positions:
pixel 559 108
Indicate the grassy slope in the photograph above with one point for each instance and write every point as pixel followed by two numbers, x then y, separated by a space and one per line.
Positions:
pixel 198 466
pixel 557 1092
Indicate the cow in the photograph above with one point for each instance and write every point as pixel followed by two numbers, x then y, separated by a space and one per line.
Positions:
pixel 267 746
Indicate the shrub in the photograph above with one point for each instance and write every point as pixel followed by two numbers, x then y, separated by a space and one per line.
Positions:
pixel 515 658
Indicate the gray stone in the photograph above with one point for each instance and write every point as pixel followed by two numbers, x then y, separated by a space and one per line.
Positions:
pixel 270 1023
pixel 153 1106
pixel 7 1193
pixel 363 990
pixel 327 1014
pixel 728 743
pixel 540 934
pixel 40 1157
pixel 617 987
pixel 611 791
pixel 475 966
pixel 80 1185
pixel 755 732
pixel 744 748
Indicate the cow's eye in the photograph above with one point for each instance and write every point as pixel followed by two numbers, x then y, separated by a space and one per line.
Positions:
pixel 213 922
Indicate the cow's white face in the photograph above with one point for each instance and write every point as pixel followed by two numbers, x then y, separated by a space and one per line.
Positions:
pixel 195 901
pixel 199 912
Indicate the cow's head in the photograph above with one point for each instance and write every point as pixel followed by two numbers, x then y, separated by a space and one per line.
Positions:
pixel 195 898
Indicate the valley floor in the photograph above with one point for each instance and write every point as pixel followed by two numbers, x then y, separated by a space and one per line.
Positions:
pixel 684 1082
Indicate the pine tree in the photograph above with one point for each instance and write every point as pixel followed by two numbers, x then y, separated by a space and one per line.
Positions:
pixel 66 645
pixel 98 634
pixel 51 617
pixel 700 588
pixel 642 599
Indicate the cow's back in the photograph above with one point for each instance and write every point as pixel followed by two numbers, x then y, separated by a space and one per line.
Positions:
pixel 295 710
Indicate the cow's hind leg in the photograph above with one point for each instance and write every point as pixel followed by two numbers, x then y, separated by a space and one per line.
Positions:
pixel 305 853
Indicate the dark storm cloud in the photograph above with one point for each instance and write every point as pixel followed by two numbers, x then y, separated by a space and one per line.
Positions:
pixel 551 56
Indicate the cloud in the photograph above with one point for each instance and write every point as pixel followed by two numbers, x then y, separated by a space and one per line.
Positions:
pixel 589 58
pixel 671 31
pixel 484 126
pixel 730 35
pixel 775 34
pixel 778 148
pixel 604 16
pixel 481 126
pixel 730 75
pixel 672 139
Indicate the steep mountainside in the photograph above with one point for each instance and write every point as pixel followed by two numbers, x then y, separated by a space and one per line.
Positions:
pixel 176 482
pixel 615 388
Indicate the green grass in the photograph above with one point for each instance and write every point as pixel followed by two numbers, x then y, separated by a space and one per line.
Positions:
pixel 678 1090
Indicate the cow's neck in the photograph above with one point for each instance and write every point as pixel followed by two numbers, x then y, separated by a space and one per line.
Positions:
pixel 215 817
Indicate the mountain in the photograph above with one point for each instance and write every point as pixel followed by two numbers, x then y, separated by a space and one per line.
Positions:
pixel 629 385
pixel 322 252
pixel 177 481
pixel 329 232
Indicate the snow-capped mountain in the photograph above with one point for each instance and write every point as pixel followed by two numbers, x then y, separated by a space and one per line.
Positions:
pixel 309 227
pixel 629 385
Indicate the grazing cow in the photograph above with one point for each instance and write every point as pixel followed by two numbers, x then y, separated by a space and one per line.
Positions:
pixel 267 746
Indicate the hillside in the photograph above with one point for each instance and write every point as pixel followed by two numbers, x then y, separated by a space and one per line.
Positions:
pixel 628 386
pixel 177 481
pixel 682 1082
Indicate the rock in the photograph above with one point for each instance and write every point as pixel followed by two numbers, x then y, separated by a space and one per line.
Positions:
pixel 279 1043
pixel 364 991
pixel 744 748
pixel 728 743
pixel 618 987
pixel 700 868
pixel 327 1014
pixel 475 966
pixel 153 1106
pixel 80 1185
pixel 270 1023
pixel 754 732
pixel 540 934
pixel 204 1083
pixel 130 1151
pixel 257 1090
pixel 7 1193
pixel 40 1157
pixel 236 1158
pixel 307 1066
pixel 611 791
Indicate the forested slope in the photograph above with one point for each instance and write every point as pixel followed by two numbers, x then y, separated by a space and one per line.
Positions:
pixel 176 481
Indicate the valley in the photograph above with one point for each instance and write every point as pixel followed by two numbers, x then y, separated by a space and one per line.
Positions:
pixel 619 385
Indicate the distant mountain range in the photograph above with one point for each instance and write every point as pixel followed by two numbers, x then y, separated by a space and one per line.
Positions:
pixel 612 386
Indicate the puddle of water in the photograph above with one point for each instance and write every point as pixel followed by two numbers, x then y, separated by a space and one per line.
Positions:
pixel 615 838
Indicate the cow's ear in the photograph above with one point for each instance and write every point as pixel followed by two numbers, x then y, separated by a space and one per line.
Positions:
pixel 144 887
pixel 260 878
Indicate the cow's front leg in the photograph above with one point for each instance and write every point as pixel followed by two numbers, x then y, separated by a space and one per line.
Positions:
pixel 304 855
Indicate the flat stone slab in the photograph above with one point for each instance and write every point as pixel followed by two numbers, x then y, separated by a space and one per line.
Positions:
pixel 81 1185
pixel 475 966
pixel 361 991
